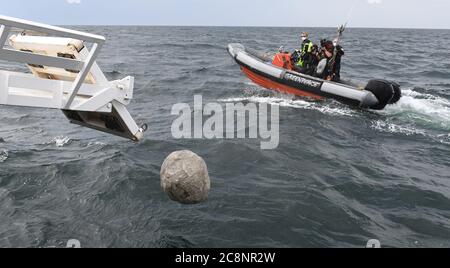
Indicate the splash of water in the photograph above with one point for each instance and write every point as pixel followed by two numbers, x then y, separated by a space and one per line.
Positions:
pixel 3 156
pixel 60 141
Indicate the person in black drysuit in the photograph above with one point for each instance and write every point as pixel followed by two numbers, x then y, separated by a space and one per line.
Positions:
pixel 337 64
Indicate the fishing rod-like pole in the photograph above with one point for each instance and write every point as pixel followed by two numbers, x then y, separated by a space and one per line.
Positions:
pixel 340 33
pixel 343 27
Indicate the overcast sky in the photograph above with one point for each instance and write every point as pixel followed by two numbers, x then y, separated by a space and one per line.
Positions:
pixel 297 13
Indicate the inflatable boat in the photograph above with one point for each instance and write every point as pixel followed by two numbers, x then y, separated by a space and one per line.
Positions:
pixel 275 73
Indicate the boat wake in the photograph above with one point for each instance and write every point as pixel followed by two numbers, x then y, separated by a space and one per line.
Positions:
pixel 294 103
pixel 421 109
pixel 283 100
pixel 415 114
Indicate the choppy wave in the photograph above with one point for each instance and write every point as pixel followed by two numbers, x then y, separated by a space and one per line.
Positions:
pixel 444 138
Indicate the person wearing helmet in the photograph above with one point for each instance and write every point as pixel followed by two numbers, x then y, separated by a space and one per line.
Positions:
pixel 304 59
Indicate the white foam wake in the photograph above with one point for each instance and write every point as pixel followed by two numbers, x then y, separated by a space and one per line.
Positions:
pixel 415 114
pixel 289 101
pixel 422 108
pixel 385 126
pixel 96 143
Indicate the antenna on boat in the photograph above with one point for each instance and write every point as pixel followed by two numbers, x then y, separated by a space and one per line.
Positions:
pixel 64 76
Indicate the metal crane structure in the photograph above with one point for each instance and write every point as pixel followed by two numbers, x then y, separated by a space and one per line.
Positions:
pixel 64 75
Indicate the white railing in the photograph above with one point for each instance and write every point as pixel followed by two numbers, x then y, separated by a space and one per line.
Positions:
pixel 83 67
pixel 80 101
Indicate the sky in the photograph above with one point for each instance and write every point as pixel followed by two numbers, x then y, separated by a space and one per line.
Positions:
pixel 280 13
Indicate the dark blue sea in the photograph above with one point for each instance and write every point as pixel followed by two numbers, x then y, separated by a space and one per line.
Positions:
pixel 340 176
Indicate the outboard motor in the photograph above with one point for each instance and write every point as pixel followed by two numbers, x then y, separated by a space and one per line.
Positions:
pixel 385 91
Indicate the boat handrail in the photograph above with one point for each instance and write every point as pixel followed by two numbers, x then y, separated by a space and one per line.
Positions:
pixel 99 105
pixel 49 29
pixel 83 67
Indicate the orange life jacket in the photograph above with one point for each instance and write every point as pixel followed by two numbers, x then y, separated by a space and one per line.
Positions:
pixel 283 60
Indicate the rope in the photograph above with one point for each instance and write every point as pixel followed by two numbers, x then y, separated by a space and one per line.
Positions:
pixel 350 14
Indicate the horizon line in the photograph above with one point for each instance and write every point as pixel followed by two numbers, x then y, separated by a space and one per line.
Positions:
pixel 248 26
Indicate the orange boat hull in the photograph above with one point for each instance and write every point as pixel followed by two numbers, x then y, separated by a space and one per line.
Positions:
pixel 269 84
